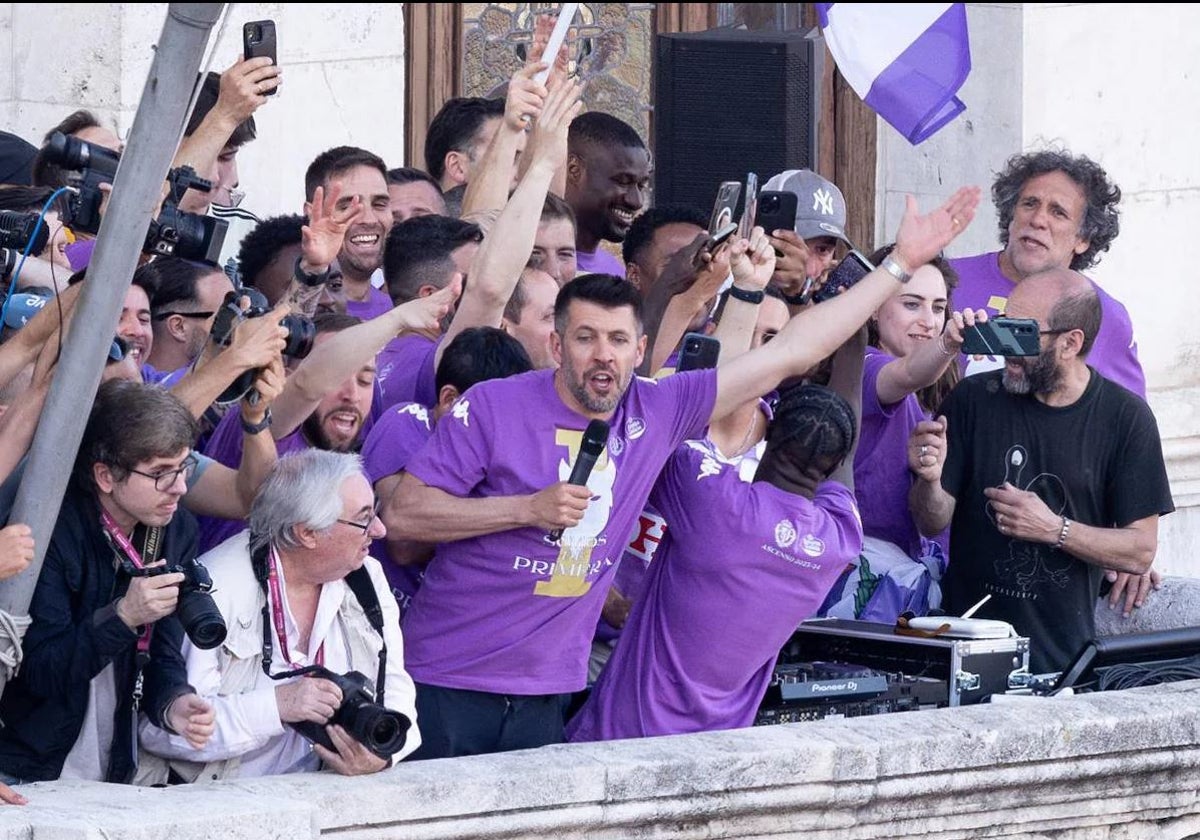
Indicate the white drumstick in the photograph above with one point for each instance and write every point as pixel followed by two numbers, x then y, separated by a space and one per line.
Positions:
pixel 566 14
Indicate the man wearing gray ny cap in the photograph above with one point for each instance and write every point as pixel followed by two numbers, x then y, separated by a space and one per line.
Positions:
pixel 805 252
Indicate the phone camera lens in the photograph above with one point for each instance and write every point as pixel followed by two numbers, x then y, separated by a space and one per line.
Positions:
pixel 770 204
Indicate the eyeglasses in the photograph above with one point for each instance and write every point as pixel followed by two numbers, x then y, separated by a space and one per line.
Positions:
pixel 162 316
pixel 164 481
pixel 1052 332
pixel 364 526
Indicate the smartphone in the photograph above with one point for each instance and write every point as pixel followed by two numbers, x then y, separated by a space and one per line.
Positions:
pixel 724 206
pixel 715 241
pixel 1003 337
pixel 699 352
pixel 258 40
pixel 750 211
pixel 777 210
pixel 853 267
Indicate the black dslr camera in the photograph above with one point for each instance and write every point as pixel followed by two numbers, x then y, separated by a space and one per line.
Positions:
pixel 196 610
pixel 378 728
pixel 16 234
pixel 299 342
pixel 174 233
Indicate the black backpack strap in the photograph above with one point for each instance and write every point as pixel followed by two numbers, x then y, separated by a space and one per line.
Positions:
pixel 360 584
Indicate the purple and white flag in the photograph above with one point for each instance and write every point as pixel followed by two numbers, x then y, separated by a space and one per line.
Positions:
pixel 906 60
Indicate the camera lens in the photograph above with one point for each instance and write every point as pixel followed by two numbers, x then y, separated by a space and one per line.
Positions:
pixel 377 728
pixel 201 619
pixel 300 334
pixel 770 204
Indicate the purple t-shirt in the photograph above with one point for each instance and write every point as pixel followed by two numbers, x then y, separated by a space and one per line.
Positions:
pixel 514 612
pixel 598 262
pixel 881 475
pixel 376 304
pixel 163 378
pixel 981 285
pixel 741 565
pixel 398 435
pixel 225 446
pixel 405 370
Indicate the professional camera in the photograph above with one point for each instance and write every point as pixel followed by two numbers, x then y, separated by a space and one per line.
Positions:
pixel 96 165
pixel 378 728
pixel 16 232
pixel 196 610
pixel 299 343
pixel 189 236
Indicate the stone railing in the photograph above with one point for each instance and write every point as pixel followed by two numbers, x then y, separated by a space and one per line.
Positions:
pixel 1107 765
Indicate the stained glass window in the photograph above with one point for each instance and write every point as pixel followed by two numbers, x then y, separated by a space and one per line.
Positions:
pixel 611 47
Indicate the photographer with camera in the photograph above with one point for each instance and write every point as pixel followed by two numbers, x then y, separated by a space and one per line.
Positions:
pixel 104 644
pixel 300 591
pixel 805 251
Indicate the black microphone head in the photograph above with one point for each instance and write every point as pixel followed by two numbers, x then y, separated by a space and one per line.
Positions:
pixel 595 436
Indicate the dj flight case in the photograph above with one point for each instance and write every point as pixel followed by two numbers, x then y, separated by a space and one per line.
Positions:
pixel 971 669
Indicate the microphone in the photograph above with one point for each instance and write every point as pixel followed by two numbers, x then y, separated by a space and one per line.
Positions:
pixel 594 438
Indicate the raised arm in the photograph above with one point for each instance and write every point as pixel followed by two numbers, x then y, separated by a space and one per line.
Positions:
pixel 23 348
pixel 498 264
pixel 815 333
pixel 334 361
pixel 924 365
pixel 685 286
pixel 492 179
pixel 227 493
pixel 242 92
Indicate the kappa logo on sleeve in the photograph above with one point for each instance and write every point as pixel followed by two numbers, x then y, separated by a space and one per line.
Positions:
pixel 418 411
pixel 462 411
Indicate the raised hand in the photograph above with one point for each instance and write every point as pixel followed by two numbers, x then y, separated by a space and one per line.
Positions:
pixel 244 88
pixel 259 341
pixel 542 28
pixel 321 239
pixel 525 97
pixel 921 238
pixel 548 143
pixel 752 260
pixel 425 314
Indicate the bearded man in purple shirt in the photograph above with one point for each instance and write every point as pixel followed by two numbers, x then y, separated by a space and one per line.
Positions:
pixel 1057 210
pixel 500 632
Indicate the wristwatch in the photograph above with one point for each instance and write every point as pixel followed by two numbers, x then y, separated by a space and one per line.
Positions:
pixel 255 428
pixel 746 295
pixel 309 280
pixel 892 266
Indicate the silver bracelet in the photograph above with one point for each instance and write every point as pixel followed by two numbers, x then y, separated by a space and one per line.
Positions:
pixel 1062 534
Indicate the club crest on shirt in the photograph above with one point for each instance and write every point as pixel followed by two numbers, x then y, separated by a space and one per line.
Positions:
pixel 785 534
pixel 462 411
pixel 635 427
pixel 812 546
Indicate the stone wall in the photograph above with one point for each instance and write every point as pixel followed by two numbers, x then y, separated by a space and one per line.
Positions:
pixel 1109 766
pixel 343 79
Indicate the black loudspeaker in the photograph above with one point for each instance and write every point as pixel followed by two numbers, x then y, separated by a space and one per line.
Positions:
pixel 728 102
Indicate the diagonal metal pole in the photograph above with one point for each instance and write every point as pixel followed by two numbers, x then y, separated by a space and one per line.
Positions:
pixel 137 187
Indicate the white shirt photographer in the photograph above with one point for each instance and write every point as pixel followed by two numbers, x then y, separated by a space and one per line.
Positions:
pixel 250 736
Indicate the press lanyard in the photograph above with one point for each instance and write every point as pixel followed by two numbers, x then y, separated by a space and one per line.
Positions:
pixel 276 599
pixel 135 557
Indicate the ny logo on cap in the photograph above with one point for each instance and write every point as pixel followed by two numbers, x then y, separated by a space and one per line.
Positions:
pixel 823 202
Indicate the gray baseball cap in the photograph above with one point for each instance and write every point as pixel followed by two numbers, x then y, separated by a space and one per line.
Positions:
pixel 820 207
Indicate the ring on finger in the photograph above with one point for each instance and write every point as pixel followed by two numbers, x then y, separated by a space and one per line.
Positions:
pixel 924 450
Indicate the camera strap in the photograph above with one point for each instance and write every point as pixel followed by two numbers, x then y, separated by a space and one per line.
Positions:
pixel 126 552
pixel 275 602
pixel 262 560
